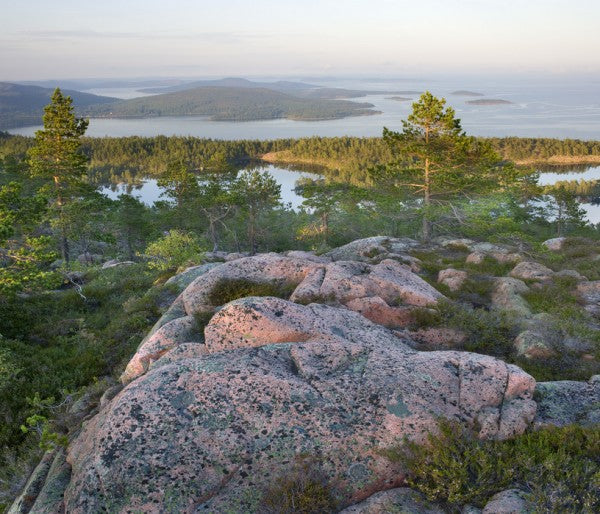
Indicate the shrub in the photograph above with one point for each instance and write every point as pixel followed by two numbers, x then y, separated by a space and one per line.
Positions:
pixel 304 490
pixel 173 250
pixel 227 290
pixel 489 332
pixel 558 467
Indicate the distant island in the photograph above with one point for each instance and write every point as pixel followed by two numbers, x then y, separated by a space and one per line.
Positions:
pixel 489 101
pixel 22 105
pixel 301 89
pixel 398 98
pixel 232 104
pixel 464 92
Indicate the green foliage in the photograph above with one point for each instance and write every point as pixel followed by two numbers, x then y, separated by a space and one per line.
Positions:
pixel 558 467
pixel 174 250
pixel 433 158
pixel 56 158
pixel 58 341
pixel 304 490
pixel 255 192
pixel 488 332
pixel 227 290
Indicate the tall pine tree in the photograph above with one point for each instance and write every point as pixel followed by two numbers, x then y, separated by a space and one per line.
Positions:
pixel 56 156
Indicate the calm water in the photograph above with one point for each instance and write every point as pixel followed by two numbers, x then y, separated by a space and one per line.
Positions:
pixel 540 108
pixel 149 192
pixel 591 173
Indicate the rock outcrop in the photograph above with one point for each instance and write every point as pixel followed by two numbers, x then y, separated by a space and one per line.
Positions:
pixel 219 400
pixel 274 379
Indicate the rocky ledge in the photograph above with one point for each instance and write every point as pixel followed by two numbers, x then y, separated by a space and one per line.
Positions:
pixel 219 400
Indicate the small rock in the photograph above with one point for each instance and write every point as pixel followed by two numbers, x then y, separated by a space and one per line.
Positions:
pixel 475 258
pixel 589 292
pixel 556 244
pixel 507 296
pixel 372 249
pixel 511 501
pixel 309 256
pixel 235 256
pixel 528 270
pixel 401 500
pixel 533 345
pixel 378 311
pixel 115 262
pixel 571 273
pixel 452 278
pixel 89 258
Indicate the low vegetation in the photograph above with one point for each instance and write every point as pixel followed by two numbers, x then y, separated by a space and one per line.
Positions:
pixel 305 490
pixel 558 468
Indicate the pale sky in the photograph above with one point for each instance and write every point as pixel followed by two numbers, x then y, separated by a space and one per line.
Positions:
pixel 43 39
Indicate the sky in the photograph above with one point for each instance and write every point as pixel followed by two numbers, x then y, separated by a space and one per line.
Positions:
pixel 44 39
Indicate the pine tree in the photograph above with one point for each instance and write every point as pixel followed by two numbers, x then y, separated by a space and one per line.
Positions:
pixel 56 156
pixel 434 158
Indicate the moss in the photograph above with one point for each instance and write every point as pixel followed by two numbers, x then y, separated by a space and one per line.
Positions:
pixel 304 490
pixel 227 290
pixel 558 467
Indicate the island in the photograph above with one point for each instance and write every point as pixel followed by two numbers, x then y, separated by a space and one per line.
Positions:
pixel 398 98
pixel 489 101
pixel 464 92
pixel 232 104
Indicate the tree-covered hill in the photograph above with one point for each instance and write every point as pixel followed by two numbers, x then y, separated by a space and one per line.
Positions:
pixel 24 105
pixel 232 104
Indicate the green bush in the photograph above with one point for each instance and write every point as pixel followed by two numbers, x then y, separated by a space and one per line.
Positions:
pixel 227 290
pixel 304 490
pixel 174 250
pixel 558 467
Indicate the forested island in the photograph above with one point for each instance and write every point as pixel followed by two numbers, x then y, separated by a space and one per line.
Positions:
pixel 457 354
pixel 232 104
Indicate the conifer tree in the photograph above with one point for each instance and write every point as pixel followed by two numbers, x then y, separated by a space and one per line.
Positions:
pixel 56 156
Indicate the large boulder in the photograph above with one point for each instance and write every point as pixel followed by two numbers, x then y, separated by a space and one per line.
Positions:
pixel 209 432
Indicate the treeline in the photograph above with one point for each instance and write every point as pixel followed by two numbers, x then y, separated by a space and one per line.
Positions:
pixel 341 159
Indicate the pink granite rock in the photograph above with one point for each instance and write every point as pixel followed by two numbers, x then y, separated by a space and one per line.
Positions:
pixel 375 309
pixel 527 270
pixel 264 268
pixel 452 278
pixel 165 338
pixel 209 433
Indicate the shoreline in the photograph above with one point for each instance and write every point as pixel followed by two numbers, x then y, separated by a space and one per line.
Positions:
pixel 284 157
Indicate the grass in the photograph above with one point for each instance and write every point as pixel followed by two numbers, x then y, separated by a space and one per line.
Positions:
pixel 304 490
pixel 558 468
pixel 227 290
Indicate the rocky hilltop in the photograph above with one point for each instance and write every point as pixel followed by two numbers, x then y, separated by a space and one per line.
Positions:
pixel 262 360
